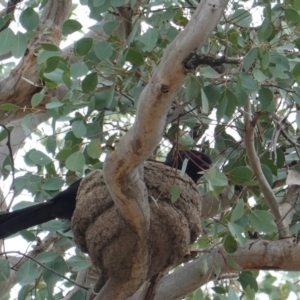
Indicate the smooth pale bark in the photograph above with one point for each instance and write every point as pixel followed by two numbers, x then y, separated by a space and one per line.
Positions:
pixel 122 168
pixel 281 255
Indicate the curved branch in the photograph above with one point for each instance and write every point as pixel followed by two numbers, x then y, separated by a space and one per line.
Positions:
pixel 122 168
pixel 257 170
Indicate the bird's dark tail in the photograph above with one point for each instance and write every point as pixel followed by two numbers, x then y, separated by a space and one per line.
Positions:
pixel 15 221
pixel 61 206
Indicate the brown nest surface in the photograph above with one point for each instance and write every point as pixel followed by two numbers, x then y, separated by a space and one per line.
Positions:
pixel 101 231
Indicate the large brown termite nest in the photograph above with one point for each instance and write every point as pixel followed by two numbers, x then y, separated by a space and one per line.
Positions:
pixel 100 230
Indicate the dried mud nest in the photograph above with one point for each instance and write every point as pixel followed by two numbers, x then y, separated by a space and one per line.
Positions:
pixel 100 230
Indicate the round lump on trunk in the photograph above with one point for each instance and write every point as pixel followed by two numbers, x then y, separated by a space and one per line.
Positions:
pixel 101 231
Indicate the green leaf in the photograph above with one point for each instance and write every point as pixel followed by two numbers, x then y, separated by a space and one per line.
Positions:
pixel 219 290
pixel 292 16
pixel 70 26
pixel 193 87
pixel 280 158
pixel 262 221
pixel 237 211
pixel 240 175
pixel 199 295
pixel 24 291
pixel 29 19
pixel 45 54
pixel 78 295
pixel 241 98
pixel 67 79
pixel 103 50
pixel 231 103
pixel 209 72
pixel 26 122
pixel 298 119
pixel 79 128
pixel 75 161
pixel 204 102
pixel 63 154
pixel 19 45
pixel 51 144
pixel 134 56
pixel 37 99
pixel 53 225
pixel 94 149
pixel 59 266
pixel 7 38
pixel 111 95
pixel 230 244
pixel 238 232
pixel 4 270
pixel 186 141
pixel 250 59
pixel 222 107
pixel 215 177
pixel 97 3
pixel 83 46
pixel 175 193
pixel 54 76
pixel 232 294
pixel 9 106
pixel 296 4
pixel 118 3
pixel 248 83
pixel 28 236
pixel 296 70
pixel 110 26
pixel 50 47
pixel 40 158
pixel 78 263
pixel 78 69
pixel 268 174
pixel 149 39
pixel 265 97
pixel 27 273
pixel 51 64
pixel 247 279
pixel 53 184
pixel 46 257
pixel 265 60
pixel 265 30
pixel 54 103
pixel 89 83
pixel 241 18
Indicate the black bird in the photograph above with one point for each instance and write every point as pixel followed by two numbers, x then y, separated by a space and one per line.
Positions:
pixel 62 205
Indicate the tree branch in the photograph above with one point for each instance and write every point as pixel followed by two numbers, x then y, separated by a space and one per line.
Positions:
pixel 257 170
pixel 252 257
pixel 123 169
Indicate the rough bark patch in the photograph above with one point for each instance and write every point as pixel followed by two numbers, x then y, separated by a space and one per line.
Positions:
pixel 100 230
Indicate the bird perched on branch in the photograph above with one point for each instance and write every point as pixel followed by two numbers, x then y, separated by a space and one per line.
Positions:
pixel 62 205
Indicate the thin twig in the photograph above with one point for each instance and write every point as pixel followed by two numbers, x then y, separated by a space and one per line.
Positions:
pixel 282 121
pixel 43 266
